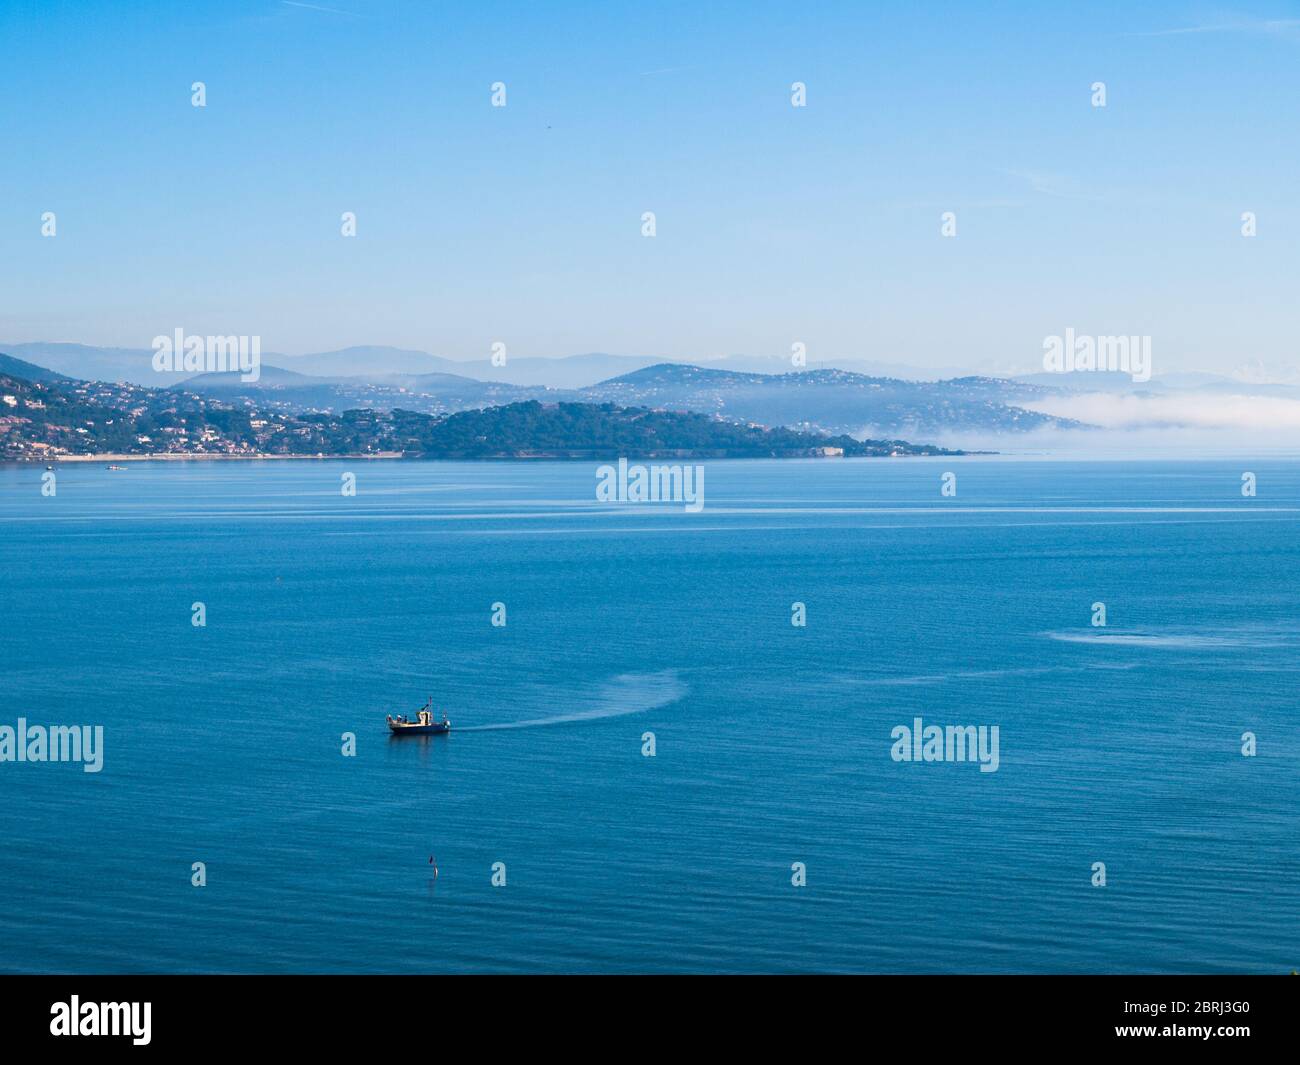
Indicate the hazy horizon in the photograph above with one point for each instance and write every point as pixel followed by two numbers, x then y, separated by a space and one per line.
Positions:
pixel 775 224
pixel 1245 375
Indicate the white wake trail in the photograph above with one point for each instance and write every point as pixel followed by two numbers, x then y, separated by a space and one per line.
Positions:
pixel 631 693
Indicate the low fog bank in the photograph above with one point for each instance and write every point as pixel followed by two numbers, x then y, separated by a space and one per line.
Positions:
pixel 1196 411
pixel 1135 425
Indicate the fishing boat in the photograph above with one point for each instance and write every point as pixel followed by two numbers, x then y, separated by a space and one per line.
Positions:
pixel 423 725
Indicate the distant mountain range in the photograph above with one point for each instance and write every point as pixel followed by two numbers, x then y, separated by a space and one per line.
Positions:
pixel 45 416
pixel 966 410
pixel 376 363
pixel 380 365
pixel 568 372
pixel 373 364
pixel 829 401
pixel 431 393
pixel 836 401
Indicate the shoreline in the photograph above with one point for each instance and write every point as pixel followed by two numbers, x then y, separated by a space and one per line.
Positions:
pixel 56 460
pixel 400 456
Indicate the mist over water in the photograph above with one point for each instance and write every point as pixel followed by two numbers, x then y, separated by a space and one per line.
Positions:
pixel 772 742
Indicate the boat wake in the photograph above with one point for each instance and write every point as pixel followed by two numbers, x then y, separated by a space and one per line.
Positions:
pixel 1176 641
pixel 630 693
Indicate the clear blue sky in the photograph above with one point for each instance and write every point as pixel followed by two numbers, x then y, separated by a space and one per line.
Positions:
pixel 775 224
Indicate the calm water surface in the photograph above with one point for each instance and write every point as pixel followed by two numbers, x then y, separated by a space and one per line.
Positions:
pixel 1120 745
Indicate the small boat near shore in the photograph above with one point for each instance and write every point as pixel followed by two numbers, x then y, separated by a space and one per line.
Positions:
pixel 424 724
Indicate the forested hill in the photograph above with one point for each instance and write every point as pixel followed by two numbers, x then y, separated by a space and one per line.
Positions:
pixel 521 429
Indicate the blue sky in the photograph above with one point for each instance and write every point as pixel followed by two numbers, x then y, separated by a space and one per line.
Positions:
pixel 775 224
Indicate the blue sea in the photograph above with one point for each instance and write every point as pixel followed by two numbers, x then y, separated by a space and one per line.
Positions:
pixel 223 744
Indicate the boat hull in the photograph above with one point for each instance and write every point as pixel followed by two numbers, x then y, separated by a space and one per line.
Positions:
pixel 417 730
